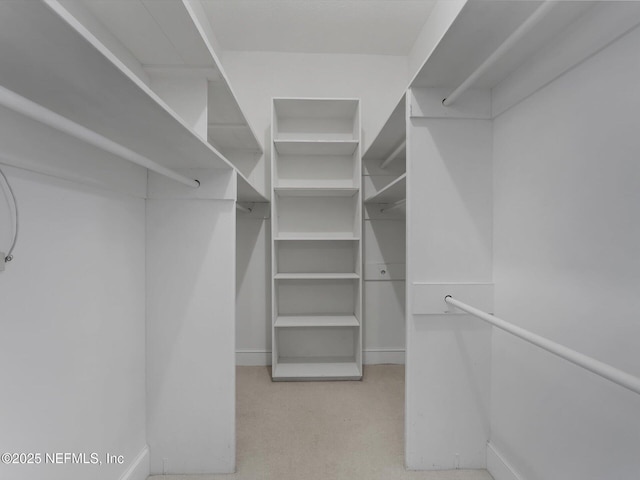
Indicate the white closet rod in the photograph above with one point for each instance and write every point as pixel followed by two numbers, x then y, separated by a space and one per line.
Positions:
pixel 394 206
pixel 394 154
pixel 43 115
pixel 244 209
pixel 612 374
pixel 520 32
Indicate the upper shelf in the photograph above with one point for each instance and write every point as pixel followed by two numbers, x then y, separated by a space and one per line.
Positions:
pixel 95 75
pixel 318 119
pixel 479 29
pixel 390 137
pixel 50 64
pixel 391 193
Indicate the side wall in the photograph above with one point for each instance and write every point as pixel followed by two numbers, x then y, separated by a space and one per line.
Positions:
pixel 567 263
pixel 449 234
pixel 73 317
pixel 378 81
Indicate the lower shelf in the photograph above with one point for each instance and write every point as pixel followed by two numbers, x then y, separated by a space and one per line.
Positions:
pixel 311 368
pixel 284 321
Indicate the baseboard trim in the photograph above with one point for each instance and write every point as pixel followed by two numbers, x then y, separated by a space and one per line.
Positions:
pixel 257 358
pixel 253 358
pixel 498 466
pixel 139 468
pixel 383 356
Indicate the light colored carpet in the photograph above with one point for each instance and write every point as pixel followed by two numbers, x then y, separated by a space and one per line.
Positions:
pixel 323 430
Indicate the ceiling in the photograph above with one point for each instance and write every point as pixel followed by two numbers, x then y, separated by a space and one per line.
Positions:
pixel 376 27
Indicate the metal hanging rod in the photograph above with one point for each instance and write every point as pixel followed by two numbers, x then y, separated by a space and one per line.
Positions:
pixel 520 32
pixel 244 209
pixel 396 152
pixel 394 206
pixel 602 369
pixel 43 115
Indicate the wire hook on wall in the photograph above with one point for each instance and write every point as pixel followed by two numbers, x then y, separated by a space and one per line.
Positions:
pixel 9 256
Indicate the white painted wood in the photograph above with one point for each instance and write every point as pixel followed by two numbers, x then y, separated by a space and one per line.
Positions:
pixel 313 191
pixel 58 155
pixel 391 193
pixel 284 321
pixel 392 134
pixel 315 276
pixel 585 36
pixel 316 147
pixel 316 288
pixel 191 285
pixel 77 13
pixel 294 369
pixel 428 298
pixel 316 256
pixel 427 102
pixel 449 239
pixel 368 28
pixel 112 102
pixel 314 236
pixel 385 271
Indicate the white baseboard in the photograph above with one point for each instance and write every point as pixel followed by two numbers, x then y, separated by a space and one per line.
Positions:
pixel 254 358
pixel 139 468
pixel 498 467
pixel 383 356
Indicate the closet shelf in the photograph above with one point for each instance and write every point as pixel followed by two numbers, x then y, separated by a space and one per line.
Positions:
pixel 316 147
pixel 292 321
pixel 316 369
pixel 315 236
pixel 95 88
pixel 316 276
pixel 247 192
pixel 319 191
pixel 112 101
pixel 393 192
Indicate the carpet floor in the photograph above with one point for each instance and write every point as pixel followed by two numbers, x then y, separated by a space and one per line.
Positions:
pixel 323 430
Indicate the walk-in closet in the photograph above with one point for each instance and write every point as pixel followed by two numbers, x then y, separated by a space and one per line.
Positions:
pixel 318 239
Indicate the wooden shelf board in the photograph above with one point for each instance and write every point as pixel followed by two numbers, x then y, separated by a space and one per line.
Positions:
pixel 316 369
pixel 316 147
pixel 316 191
pixel 316 236
pixel 316 276
pixel 393 192
pixel 315 107
pixel 292 321
pixel 247 192
pixel 92 88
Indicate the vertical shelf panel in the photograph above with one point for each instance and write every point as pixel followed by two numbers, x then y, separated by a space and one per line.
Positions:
pixel 317 205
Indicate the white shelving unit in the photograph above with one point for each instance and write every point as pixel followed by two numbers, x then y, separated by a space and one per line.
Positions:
pixel 115 68
pixel 316 231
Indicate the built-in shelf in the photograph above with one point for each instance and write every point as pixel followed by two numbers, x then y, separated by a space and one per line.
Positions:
pixel 316 147
pixel 292 321
pixel 316 369
pixel 317 284
pixel 315 236
pixel 319 191
pixel 115 99
pixel 391 193
pixel 316 276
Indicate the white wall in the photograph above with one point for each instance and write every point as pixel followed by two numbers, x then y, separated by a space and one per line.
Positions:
pixel 567 263
pixel 190 323
pixel 449 235
pixel 378 81
pixel 73 325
